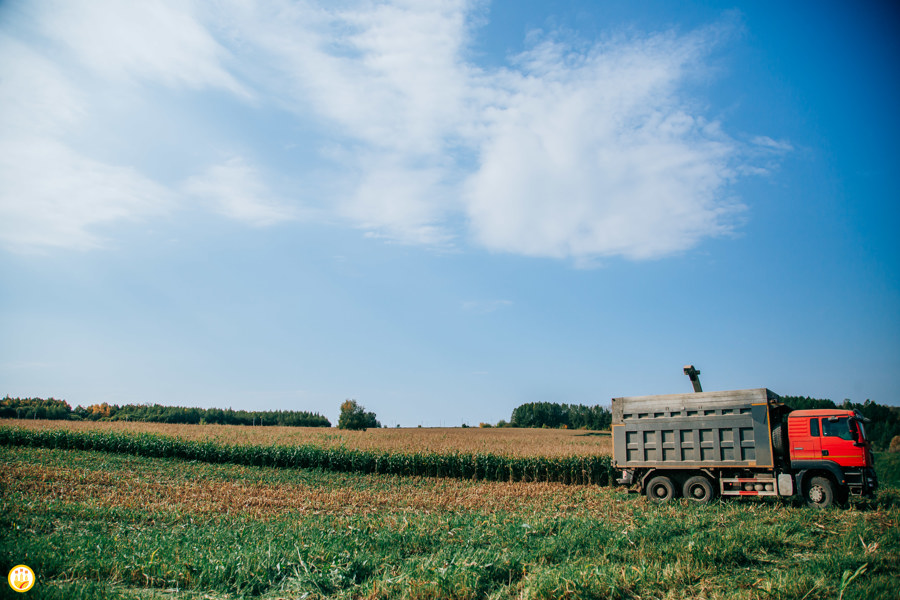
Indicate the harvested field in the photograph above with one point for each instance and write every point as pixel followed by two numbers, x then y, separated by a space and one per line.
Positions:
pixel 133 483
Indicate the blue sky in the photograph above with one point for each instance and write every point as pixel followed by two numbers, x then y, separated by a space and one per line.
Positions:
pixel 446 209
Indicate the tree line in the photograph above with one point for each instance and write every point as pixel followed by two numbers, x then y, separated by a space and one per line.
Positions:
pixel 553 415
pixel 34 408
pixel 38 408
pixel 884 426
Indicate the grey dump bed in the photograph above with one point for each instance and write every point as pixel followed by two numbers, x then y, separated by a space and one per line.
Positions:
pixel 706 429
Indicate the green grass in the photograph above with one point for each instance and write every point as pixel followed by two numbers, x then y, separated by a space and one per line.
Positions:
pixel 566 542
pixel 887 465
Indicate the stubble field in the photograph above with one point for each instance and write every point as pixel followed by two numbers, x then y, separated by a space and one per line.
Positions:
pixel 112 525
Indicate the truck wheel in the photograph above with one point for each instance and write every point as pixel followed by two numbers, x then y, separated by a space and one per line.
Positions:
pixel 660 489
pixel 819 492
pixel 699 489
pixel 778 439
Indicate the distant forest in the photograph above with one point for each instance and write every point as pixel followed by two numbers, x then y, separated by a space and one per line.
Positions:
pixel 38 408
pixel 552 415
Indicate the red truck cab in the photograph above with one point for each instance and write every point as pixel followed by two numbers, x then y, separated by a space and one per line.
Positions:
pixel 831 444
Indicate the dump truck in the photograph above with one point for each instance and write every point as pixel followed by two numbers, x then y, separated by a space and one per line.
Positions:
pixel 739 443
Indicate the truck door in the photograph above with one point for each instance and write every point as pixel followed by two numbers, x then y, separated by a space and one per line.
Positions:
pixel 839 442
pixel 805 438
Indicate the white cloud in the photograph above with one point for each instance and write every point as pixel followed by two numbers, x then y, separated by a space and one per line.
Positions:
pixel 596 154
pixel 389 83
pixel 53 192
pixel 403 203
pixel 388 74
pixel 767 143
pixel 51 195
pixel 54 197
pixel 156 40
pixel 577 152
pixel 236 190
pixel 36 95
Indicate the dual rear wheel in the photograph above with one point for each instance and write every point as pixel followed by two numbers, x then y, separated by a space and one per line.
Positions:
pixel 697 488
pixel 661 489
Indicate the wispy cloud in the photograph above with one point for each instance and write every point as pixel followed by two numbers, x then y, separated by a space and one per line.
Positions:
pixel 578 151
pixel 389 82
pixel 53 191
pixel 236 190
pixel 50 194
pixel 54 197
pixel 159 41
pixel 484 307
pixel 764 141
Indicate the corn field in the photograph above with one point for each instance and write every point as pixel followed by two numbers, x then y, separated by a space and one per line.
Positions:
pixel 441 440
pixel 578 470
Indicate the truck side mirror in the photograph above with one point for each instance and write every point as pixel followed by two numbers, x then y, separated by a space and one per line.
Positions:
pixel 854 433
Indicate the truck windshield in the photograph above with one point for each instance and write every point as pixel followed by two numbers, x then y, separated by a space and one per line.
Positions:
pixel 839 428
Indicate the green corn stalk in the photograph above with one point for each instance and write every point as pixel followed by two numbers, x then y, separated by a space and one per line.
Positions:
pixel 479 466
pixel 847 579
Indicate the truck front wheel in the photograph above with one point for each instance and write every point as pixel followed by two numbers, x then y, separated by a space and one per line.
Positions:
pixel 819 492
pixel 660 489
pixel 699 489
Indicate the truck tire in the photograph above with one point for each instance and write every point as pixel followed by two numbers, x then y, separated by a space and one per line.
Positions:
pixel 660 489
pixel 778 440
pixel 699 489
pixel 819 492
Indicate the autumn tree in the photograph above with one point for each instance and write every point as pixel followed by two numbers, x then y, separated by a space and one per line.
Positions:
pixel 354 416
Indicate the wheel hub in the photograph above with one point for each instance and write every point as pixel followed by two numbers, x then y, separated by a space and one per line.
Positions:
pixel 816 493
